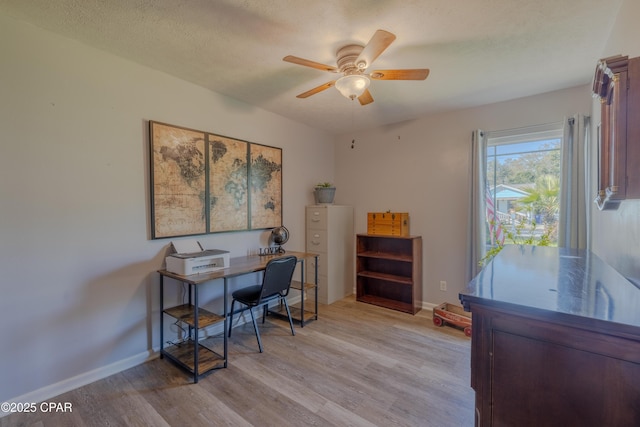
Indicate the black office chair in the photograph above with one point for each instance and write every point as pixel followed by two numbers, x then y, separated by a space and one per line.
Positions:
pixel 276 282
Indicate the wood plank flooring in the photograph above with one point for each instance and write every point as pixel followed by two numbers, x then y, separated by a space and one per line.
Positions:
pixel 358 365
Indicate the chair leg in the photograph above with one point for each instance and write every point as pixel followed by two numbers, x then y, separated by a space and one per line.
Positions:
pixel 286 305
pixel 264 312
pixel 255 327
pixel 231 316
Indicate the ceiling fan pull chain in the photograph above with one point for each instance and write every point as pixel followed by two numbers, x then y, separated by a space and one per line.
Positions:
pixel 353 106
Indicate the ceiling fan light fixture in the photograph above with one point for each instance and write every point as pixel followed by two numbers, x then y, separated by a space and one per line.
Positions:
pixel 353 85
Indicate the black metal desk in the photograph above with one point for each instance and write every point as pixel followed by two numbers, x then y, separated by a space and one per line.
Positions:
pixel 196 357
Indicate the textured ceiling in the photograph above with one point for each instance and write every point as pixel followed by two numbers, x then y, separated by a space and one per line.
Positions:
pixel 478 51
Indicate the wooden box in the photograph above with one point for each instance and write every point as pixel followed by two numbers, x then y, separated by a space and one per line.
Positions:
pixel 388 223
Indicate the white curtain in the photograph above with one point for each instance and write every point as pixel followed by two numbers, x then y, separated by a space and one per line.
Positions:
pixel 573 226
pixel 477 210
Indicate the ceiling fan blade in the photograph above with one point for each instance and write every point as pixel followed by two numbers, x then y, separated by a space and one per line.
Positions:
pixel 316 89
pixel 365 98
pixel 379 42
pixel 307 63
pixel 414 74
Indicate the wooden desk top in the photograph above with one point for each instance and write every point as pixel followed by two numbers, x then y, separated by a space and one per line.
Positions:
pixel 555 282
pixel 237 266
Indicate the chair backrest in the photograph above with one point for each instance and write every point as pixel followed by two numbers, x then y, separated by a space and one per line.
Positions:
pixel 277 276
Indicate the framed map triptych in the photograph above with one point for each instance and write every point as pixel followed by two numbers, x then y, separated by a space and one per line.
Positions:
pixel 204 183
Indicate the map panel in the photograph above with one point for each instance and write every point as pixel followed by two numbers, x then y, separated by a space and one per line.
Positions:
pixel 178 180
pixel 265 186
pixel 228 200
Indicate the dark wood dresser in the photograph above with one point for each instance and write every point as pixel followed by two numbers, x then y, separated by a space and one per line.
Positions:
pixel 555 341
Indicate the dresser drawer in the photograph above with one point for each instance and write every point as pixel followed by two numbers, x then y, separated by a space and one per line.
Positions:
pixel 316 241
pixel 317 218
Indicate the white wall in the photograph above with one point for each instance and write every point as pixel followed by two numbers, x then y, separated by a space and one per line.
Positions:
pixel 616 234
pixel 423 167
pixel 78 282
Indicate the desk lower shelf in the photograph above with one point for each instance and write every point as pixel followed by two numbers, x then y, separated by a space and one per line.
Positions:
pixel 310 311
pixel 296 313
pixel 185 313
pixel 182 354
pixel 297 285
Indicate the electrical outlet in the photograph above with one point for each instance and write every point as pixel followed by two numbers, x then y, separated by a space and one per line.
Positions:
pixel 443 285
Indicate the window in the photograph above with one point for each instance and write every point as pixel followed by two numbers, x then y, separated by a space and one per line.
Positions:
pixel 528 186
pixel 523 170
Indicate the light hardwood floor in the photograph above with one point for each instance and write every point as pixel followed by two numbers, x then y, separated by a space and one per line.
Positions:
pixel 358 365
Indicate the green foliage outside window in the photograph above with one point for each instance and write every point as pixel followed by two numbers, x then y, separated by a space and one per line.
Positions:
pixel 542 199
pixel 523 235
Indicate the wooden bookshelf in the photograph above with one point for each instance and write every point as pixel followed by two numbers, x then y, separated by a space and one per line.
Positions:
pixel 389 271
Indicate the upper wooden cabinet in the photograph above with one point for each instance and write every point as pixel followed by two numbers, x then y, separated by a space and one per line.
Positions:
pixel 617 84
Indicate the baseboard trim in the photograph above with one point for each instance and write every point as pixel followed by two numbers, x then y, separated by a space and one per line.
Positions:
pixel 428 306
pixel 53 390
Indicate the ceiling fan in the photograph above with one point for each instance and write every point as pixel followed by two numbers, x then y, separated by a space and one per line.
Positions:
pixel 352 62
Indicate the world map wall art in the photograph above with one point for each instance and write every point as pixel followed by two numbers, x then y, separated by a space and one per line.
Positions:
pixel 204 183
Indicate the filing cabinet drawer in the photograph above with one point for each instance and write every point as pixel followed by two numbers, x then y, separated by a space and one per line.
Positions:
pixel 317 241
pixel 323 289
pixel 317 218
pixel 322 268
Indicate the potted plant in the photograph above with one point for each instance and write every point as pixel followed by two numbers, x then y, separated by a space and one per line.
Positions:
pixel 325 192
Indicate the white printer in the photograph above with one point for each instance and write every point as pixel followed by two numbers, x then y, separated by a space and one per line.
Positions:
pixel 191 258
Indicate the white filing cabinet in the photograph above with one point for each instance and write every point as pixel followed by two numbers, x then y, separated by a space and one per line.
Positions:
pixel 330 235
